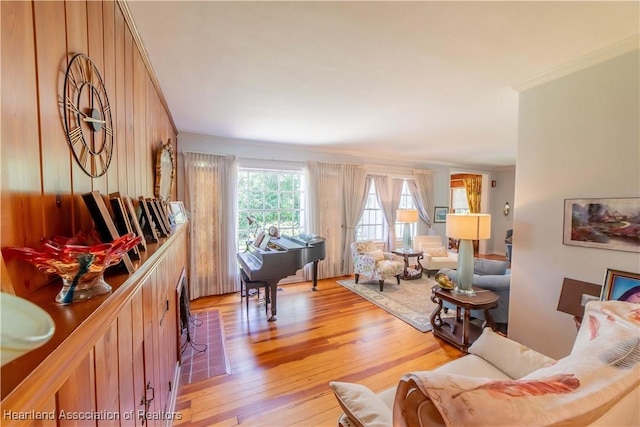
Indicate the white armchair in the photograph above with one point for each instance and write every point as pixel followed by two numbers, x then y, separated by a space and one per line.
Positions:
pixel 373 263
pixel 436 255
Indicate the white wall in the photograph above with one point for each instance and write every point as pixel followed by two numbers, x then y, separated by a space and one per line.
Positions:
pixel 578 137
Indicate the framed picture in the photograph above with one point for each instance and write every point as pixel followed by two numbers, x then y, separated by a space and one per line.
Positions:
pixel 121 219
pixel 179 212
pixel 104 223
pixel 133 219
pixel 259 239
pixel 603 223
pixel 156 218
pixel 147 222
pixel 621 286
pixel 440 214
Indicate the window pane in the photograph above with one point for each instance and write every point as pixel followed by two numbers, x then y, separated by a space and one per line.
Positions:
pixel 270 197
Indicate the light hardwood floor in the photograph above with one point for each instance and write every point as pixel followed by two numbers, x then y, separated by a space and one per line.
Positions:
pixel 279 371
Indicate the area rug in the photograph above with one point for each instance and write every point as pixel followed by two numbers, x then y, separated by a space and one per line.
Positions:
pixel 410 301
pixel 203 354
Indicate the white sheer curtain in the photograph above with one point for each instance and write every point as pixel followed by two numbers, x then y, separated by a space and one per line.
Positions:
pixel 421 189
pixel 356 189
pixel 325 210
pixel 210 188
pixel 388 195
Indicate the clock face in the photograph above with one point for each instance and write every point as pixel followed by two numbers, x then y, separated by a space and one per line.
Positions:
pixel 87 116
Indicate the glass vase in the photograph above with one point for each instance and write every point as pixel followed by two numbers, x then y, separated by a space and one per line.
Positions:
pixel 80 261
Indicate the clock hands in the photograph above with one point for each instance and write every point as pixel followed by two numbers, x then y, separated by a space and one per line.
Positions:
pixel 92 120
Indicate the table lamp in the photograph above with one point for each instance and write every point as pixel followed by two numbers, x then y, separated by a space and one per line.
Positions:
pixel 467 228
pixel 407 216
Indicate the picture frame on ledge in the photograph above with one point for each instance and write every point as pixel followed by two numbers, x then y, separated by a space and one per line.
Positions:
pixel 621 286
pixel 135 224
pixel 179 212
pixel 104 224
pixel 147 222
pixel 157 219
pixel 121 220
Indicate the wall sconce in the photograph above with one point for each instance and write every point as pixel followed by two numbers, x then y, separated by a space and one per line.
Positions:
pixel 506 208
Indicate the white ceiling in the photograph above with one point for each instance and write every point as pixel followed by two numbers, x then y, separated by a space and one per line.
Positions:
pixel 428 81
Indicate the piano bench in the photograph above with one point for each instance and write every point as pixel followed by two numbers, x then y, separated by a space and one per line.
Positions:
pixel 246 284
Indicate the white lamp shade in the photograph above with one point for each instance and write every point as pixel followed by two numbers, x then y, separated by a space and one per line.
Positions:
pixel 469 226
pixel 407 215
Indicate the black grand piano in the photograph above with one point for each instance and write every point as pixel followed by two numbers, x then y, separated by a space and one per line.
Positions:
pixel 276 259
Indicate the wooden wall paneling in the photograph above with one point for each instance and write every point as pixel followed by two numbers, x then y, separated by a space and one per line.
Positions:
pixel 106 368
pixel 77 394
pixel 49 18
pixel 77 42
pixel 109 30
pixel 139 122
pixel 96 52
pixel 119 107
pixel 130 141
pixel 163 303
pixel 48 408
pixel 153 135
pixel 20 163
pixel 157 349
pixel 138 353
pixel 126 378
pixel 149 349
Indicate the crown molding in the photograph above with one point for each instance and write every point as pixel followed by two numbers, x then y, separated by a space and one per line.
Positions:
pixel 128 18
pixel 618 48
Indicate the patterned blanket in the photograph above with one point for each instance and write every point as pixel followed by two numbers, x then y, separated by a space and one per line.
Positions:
pixel 577 390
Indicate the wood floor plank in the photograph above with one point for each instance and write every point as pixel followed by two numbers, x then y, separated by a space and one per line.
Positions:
pixel 280 371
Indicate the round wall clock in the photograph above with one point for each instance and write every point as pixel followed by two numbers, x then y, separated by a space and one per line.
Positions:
pixel 87 116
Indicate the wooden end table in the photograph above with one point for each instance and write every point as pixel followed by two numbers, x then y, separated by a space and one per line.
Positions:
pixel 459 330
pixel 406 254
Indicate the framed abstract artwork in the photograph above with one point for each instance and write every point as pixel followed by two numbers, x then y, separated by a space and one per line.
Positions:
pixel 603 223
pixel 621 286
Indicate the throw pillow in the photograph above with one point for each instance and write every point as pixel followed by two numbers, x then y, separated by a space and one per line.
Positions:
pixel 441 251
pixel 511 357
pixel 361 404
pixel 490 267
pixel 376 255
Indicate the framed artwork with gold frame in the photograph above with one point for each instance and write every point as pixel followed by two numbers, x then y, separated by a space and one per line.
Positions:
pixel 165 171
pixel 621 286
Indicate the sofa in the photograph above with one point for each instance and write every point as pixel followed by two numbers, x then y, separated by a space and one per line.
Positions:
pixel 436 255
pixel 501 382
pixel 495 276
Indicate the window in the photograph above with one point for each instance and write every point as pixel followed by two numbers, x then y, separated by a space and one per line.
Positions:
pixel 270 197
pixel 371 224
pixel 459 202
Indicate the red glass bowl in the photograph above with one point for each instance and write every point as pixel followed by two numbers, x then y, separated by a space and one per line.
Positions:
pixel 59 255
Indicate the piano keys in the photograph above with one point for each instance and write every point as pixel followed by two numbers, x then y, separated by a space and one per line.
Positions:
pixel 280 258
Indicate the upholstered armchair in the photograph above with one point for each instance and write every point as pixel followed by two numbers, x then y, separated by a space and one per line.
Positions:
pixel 436 255
pixel 373 263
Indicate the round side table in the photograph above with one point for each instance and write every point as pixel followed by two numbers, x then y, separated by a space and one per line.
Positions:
pixel 410 274
pixel 459 330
